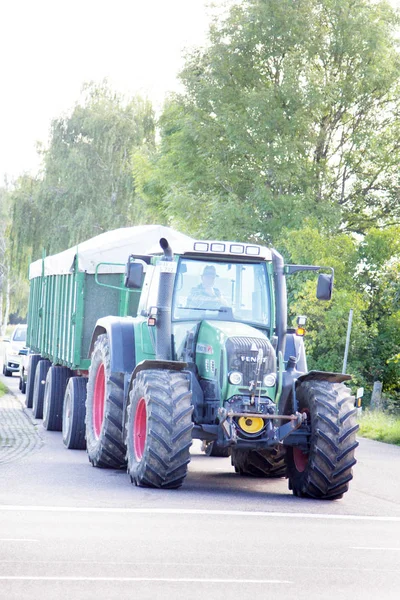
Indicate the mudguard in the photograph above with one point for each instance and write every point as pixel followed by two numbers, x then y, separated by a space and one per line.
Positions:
pixel 121 336
pixel 285 406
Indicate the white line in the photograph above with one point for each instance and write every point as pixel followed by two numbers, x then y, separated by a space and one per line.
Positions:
pixel 366 548
pixel 17 540
pixel 147 579
pixel 195 511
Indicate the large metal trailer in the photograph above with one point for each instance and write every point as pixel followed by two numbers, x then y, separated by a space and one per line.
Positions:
pixel 69 292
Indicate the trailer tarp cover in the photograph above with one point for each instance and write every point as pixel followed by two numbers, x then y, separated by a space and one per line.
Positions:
pixel 111 247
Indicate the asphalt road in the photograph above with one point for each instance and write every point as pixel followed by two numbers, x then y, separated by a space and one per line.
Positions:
pixel 68 530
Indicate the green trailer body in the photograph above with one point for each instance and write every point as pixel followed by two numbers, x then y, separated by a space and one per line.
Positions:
pixel 70 291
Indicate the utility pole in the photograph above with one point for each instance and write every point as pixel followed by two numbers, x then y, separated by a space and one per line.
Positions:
pixel 346 350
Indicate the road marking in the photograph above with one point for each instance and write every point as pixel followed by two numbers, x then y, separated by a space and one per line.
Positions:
pixel 366 548
pixel 195 511
pixel 16 540
pixel 148 579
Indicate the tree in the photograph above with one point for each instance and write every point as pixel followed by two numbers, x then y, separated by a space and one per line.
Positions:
pixel 86 186
pixel 292 110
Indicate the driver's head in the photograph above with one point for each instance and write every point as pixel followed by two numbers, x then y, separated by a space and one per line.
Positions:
pixel 209 274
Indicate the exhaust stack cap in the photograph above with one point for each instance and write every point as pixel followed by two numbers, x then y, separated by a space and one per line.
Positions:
pixel 166 248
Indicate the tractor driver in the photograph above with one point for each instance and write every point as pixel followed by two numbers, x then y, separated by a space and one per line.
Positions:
pixel 205 295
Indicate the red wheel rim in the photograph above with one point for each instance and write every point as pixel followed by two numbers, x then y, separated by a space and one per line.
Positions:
pixel 98 401
pixel 140 429
pixel 300 459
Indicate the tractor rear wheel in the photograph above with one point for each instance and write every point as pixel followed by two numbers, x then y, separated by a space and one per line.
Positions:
pixel 323 469
pixel 30 382
pixel 74 410
pixel 214 449
pixel 259 463
pixel 56 382
pixel 38 387
pixel 159 429
pixel 104 407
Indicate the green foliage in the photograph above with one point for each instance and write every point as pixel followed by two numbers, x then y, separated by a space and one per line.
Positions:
pixel 3 389
pixel 290 112
pixel 87 185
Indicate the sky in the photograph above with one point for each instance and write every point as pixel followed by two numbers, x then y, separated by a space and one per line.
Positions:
pixel 49 48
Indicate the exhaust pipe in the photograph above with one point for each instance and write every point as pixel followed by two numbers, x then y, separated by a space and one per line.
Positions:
pixel 164 304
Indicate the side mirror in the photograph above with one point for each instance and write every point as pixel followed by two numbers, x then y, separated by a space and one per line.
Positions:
pixel 324 287
pixel 6 340
pixel 134 275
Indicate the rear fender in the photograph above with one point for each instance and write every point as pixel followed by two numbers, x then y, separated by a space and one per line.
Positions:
pixel 121 336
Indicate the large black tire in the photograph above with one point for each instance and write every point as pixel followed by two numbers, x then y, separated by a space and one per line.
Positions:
pixel 22 385
pixel 214 449
pixel 74 411
pixel 104 407
pixel 260 463
pixel 159 429
pixel 30 382
pixel 56 382
pixel 324 469
pixel 38 387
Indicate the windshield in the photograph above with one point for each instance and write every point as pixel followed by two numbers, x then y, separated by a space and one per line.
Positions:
pixel 19 334
pixel 221 290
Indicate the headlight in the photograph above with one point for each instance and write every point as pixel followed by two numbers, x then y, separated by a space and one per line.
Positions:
pixel 13 353
pixel 269 380
pixel 235 378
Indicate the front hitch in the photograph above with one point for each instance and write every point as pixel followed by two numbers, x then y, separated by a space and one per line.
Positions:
pixel 274 435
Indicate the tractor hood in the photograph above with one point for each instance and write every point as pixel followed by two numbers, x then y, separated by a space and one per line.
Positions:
pixel 223 347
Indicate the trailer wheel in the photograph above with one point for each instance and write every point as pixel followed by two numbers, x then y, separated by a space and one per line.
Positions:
pixel 38 387
pixel 214 449
pixel 74 411
pixel 104 407
pixel 32 364
pixel 54 390
pixel 159 429
pixel 260 463
pixel 323 469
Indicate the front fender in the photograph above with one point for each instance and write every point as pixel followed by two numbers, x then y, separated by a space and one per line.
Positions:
pixel 287 402
pixel 121 336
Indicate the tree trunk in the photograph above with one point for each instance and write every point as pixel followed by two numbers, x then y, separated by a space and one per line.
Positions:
pixel 7 309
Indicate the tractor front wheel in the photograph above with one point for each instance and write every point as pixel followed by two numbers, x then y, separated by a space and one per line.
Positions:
pixel 323 469
pixel 159 429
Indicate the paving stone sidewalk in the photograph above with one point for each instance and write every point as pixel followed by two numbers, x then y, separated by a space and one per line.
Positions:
pixel 18 434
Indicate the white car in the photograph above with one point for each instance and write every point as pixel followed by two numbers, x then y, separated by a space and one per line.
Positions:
pixel 13 349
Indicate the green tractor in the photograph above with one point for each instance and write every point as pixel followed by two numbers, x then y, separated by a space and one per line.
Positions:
pixel 209 356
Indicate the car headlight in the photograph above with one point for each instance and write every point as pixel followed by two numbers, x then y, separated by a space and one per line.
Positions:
pixel 235 378
pixel 13 352
pixel 269 380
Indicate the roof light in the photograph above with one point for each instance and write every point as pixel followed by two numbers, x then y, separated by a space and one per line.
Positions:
pixel 237 249
pixel 201 247
pixel 217 247
pixel 253 250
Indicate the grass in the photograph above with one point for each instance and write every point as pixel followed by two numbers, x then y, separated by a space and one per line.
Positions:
pixel 380 426
pixel 3 389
